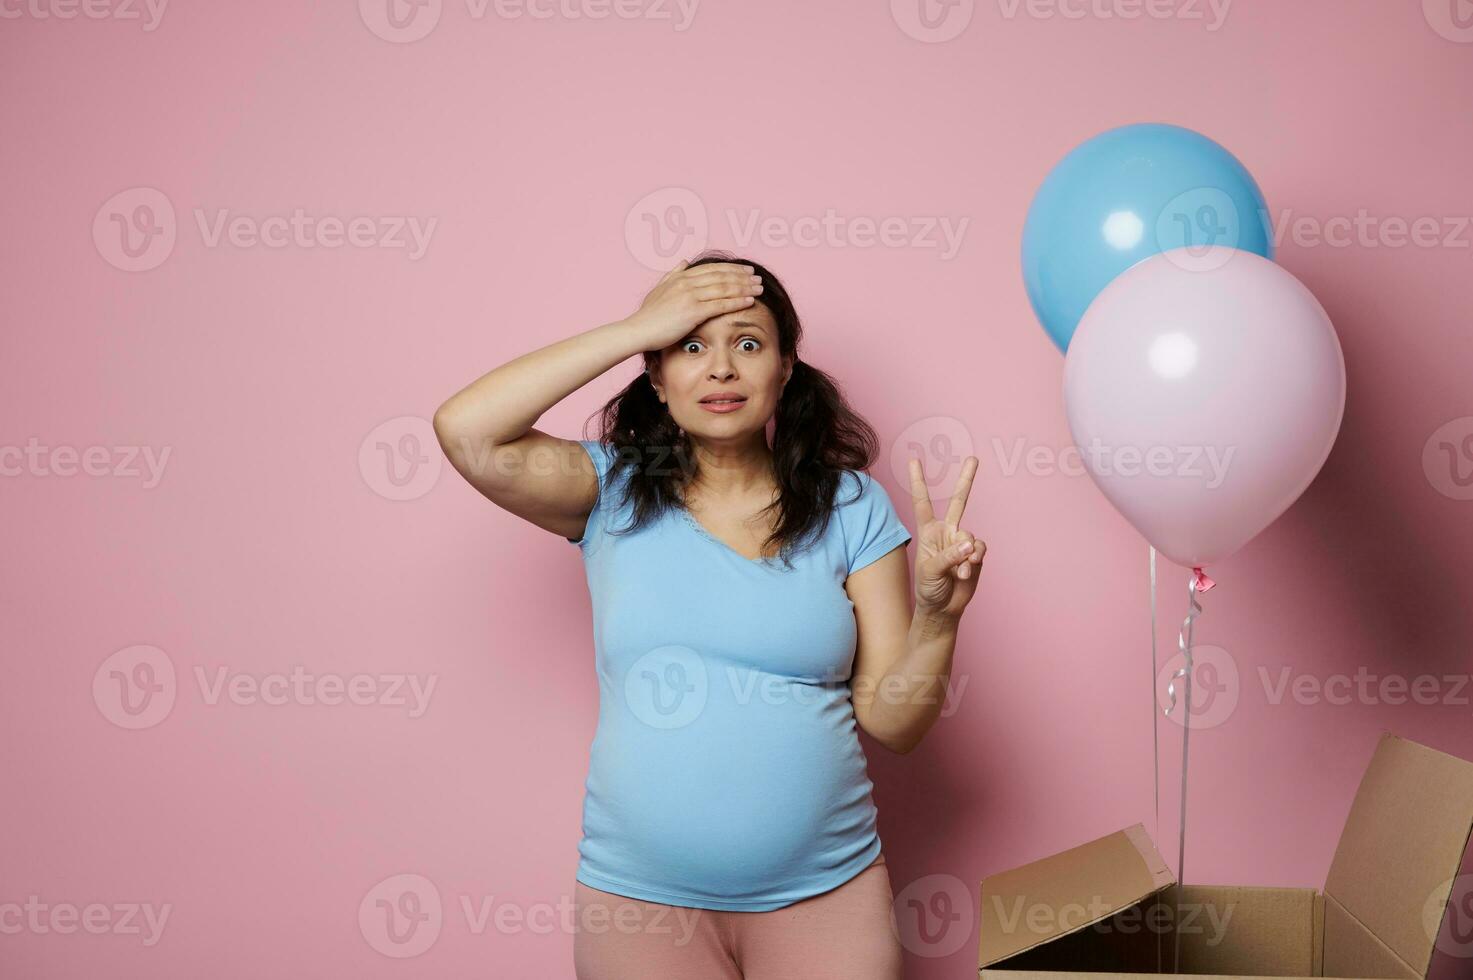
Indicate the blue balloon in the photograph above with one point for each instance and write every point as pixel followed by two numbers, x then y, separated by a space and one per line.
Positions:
pixel 1123 196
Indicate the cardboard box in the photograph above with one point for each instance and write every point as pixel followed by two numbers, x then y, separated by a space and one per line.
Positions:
pixel 1393 905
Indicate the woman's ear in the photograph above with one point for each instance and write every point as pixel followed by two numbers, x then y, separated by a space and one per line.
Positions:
pixel 653 370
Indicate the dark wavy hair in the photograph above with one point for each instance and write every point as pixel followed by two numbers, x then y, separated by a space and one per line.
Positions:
pixel 815 436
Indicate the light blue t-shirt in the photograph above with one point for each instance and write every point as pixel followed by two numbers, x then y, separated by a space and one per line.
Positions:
pixel 725 770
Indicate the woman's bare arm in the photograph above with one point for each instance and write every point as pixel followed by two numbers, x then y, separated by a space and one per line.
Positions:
pixel 486 428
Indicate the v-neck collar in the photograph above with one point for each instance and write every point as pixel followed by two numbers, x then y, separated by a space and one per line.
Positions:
pixel 701 529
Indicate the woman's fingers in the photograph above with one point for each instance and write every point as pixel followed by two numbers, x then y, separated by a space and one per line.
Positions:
pixel 976 550
pixel 962 492
pixel 725 288
pixel 717 307
pixel 962 555
pixel 951 555
pixel 964 550
pixel 671 273
pixel 704 274
pixel 920 494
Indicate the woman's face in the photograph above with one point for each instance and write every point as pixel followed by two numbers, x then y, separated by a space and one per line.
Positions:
pixel 737 353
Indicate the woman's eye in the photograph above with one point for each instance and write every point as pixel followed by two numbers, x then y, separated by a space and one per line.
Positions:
pixel 755 345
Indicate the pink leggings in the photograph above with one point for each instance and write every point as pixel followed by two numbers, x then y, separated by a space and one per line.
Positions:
pixel 847 932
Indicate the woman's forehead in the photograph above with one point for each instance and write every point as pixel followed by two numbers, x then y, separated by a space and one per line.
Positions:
pixel 742 320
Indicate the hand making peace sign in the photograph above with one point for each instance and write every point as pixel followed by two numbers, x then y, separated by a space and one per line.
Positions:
pixel 948 558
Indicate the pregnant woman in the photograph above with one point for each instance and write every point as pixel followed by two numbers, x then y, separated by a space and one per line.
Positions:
pixel 752 610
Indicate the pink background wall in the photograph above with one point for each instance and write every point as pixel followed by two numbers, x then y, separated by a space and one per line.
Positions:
pixel 279 379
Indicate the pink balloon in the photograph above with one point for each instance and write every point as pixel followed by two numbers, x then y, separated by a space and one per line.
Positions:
pixel 1204 394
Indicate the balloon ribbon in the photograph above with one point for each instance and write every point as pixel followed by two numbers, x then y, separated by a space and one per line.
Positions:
pixel 1199 582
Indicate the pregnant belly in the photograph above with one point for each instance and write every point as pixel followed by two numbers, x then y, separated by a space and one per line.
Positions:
pixel 731 806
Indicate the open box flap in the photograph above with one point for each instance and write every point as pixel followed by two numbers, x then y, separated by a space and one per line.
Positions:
pixel 1403 844
pixel 1068 891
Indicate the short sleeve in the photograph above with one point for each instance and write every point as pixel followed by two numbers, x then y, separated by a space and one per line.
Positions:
pixel 872 529
pixel 603 460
